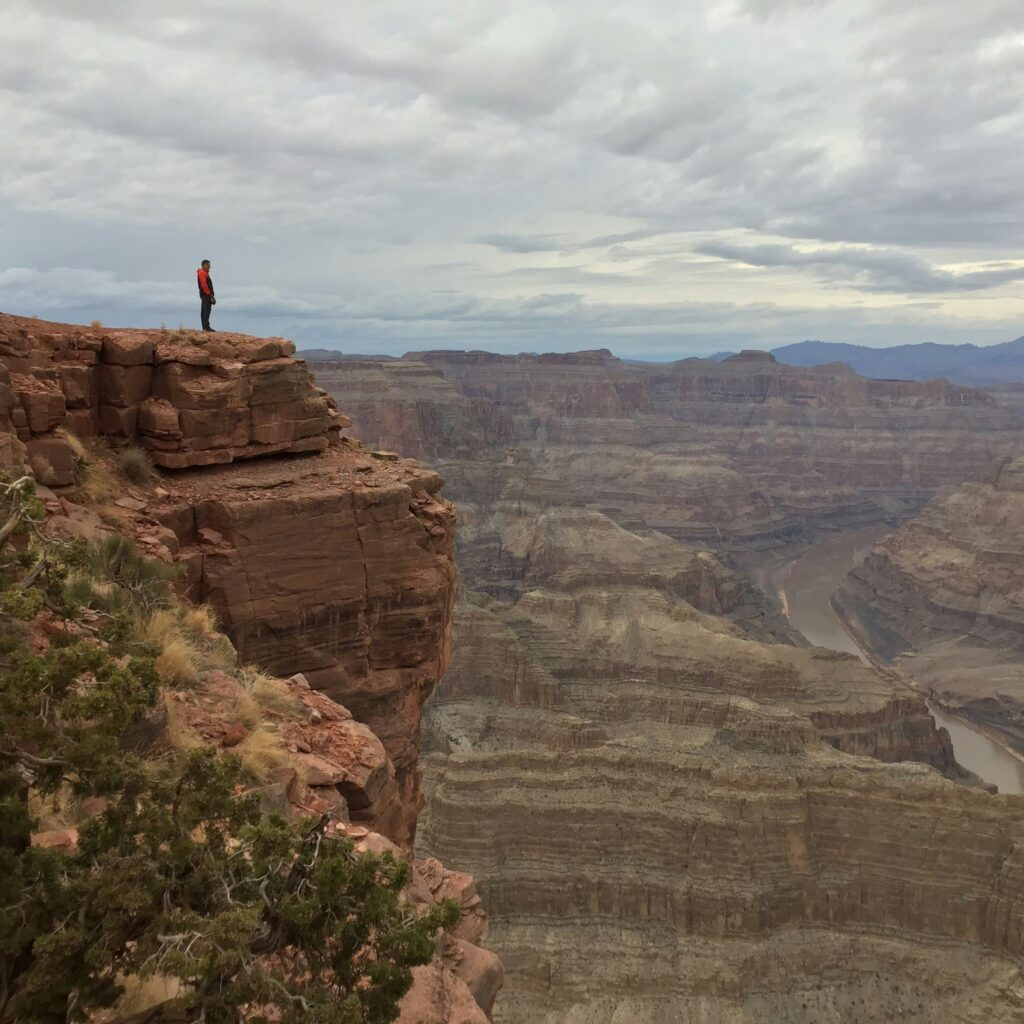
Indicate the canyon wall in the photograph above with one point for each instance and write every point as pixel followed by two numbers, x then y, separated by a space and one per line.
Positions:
pixel 670 820
pixel 742 455
pixel 675 809
pixel 946 591
pixel 740 871
pixel 319 556
pixel 323 560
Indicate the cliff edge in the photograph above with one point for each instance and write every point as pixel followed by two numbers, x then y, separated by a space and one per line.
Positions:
pixel 323 561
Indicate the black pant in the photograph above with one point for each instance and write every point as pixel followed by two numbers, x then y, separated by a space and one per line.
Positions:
pixel 205 312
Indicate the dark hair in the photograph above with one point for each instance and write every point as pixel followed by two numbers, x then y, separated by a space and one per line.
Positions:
pixel 201 262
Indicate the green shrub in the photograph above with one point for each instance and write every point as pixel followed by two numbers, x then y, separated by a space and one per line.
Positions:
pixel 242 916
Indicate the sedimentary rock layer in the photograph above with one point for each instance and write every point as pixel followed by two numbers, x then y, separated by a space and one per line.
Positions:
pixel 338 566
pixel 947 591
pixel 320 558
pixel 673 819
pixel 231 397
pixel 743 454
pixel 738 873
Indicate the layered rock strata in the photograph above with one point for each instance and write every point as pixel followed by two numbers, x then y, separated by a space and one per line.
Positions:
pixel 231 397
pixel 338 566
pixel 670 821
pixel 736 873
pixel 672 818
pixel 745 455
pixel 946 591
pixel 321 558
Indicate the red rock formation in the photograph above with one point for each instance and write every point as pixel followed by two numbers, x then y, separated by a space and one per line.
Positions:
pixel 324 560
pixel 190 404
pixel 338 566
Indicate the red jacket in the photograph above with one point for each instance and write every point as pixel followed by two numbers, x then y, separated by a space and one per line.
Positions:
pixel 205 282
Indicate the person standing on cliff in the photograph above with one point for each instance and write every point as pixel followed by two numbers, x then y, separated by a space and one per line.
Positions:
pixel 206 297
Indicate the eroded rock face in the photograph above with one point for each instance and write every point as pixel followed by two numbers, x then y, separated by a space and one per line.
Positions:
pixel 947 590
pixel 743 455
pixel 675 809
pixel 723 881
pixel 229 397
pixel 338 566
pixel 323 560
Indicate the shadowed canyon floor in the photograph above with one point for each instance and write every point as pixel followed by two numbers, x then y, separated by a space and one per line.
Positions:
pixel 676 810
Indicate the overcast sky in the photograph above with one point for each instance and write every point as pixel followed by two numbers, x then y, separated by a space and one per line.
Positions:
pixel 660 178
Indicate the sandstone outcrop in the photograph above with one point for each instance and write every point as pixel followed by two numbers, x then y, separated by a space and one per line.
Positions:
pixel 189 404
pixel 946 590
pixel 338 566
pixel 323 560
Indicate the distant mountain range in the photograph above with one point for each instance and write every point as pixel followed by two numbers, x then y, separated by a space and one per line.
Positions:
pixel 978 365
pixel 963 364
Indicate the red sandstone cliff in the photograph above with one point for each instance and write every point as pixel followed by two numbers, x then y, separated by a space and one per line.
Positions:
pixel 322 560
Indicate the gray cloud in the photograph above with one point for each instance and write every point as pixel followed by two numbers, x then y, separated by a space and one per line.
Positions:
pixel 870 270
pixel 333 159
pixel 521 243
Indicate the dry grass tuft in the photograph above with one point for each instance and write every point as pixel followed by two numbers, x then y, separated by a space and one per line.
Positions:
pixel 219 652
pixel 188 644
pixel 180 735
pixel 248 711
pixel 162 627
pixel 178 663
pixel 275 696
pixel 97 483
pixel 200 619
pixel 96 325
pixel 271 694
pixel 74 443
pixel 261 752
pixel 135 464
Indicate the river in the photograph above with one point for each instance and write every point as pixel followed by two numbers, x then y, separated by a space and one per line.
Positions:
pixel 806 585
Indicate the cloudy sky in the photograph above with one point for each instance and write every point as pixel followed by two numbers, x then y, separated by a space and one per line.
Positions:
pixel 661 178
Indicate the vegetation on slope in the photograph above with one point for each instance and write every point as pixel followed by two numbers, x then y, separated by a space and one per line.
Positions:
pixel 176 875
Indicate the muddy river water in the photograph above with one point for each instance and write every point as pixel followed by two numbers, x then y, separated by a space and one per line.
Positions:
pixel 805 587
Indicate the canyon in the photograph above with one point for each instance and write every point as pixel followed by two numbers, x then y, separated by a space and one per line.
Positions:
pixel 326 564
pixel 944 596
pixel 674 806
pixel 741 455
